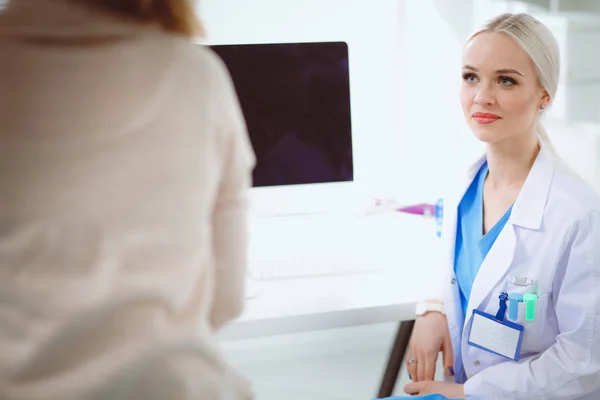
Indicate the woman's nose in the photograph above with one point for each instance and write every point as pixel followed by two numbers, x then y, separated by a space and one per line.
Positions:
pixel 485 97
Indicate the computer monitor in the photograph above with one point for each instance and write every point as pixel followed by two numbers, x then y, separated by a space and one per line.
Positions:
pixel 296 102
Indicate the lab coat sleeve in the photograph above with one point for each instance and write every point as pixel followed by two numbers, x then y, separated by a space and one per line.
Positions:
pixel 570 368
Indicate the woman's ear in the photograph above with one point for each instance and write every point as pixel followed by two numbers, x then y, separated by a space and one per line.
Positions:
pixel 545 100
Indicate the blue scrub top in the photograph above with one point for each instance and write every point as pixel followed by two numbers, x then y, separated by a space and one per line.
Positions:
pixel 471 245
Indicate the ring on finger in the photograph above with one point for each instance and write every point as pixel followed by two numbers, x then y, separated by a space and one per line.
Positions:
pixel 412 361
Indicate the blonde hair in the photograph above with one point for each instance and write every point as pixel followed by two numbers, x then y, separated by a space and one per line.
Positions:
pixel 541 47
pixel 175 16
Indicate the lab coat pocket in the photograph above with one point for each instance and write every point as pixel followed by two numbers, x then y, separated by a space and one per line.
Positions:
pixel 537 334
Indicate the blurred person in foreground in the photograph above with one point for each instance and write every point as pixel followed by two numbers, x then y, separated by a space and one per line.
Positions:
pixel 124 169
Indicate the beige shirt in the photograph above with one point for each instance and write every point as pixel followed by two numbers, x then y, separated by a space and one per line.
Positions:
pixel 124 165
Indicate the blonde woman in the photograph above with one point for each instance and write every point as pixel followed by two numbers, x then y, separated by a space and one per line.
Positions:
pixel 124 166
pixel 520 313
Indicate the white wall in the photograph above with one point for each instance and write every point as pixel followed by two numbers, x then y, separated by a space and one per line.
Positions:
pixel 579 145
pixel 581 5
pixel 436 140
pixel 563 5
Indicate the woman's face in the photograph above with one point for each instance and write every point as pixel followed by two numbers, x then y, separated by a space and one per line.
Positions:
pixel 500 94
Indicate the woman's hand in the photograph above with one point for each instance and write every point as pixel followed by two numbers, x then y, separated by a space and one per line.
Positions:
pixel 450 390
pixel 430 336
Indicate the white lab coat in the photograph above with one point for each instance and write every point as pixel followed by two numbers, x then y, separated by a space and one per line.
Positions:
pixel 552 237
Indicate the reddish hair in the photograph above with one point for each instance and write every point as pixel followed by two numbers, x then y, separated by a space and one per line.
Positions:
pixel 175 16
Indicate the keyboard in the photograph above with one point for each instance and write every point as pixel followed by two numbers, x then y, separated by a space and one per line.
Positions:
pixel 285 267
pixel 301 247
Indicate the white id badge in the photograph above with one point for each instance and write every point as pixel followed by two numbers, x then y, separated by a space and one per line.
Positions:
pixel 502 338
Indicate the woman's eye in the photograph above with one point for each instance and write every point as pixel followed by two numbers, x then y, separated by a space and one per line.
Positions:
pixel 507 82
pixel 469 78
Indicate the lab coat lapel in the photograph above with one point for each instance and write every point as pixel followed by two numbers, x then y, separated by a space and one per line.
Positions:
pixel 493 268
pixel 527 213
pixel 449 291
pixel 451 211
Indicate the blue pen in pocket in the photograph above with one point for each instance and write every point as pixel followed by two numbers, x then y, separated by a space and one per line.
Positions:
pixel 513 305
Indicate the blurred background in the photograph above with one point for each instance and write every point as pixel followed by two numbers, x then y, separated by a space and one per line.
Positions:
pixel 407 129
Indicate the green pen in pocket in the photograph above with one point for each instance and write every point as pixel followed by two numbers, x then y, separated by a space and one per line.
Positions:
pixel 529 299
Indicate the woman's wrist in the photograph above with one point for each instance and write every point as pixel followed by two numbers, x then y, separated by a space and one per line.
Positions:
pixel 426 307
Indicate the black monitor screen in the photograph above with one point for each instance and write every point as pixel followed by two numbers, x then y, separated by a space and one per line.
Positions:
pixel 296 101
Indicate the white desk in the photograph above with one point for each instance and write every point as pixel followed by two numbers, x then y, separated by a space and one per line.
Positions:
pixel 412 261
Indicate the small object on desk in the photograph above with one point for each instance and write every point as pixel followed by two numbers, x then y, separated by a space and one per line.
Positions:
pixel 426 397
pixel 381 206
pixel 425 209
pixel 439 216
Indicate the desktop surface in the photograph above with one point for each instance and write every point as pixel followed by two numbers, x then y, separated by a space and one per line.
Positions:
pixel 410 260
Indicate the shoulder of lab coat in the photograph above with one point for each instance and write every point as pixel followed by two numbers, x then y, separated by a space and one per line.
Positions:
pixel 570 367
